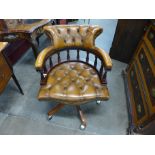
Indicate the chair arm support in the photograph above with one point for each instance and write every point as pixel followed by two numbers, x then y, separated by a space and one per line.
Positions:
pixel 105 57
pixel 43 55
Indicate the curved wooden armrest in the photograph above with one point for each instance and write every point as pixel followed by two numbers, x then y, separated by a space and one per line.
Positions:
pixel 105 57
pixel 39 64
pixel 43 55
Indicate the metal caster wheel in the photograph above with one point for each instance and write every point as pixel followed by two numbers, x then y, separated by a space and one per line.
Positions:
pixel 98 102
pixel 50 117
pixel 82 127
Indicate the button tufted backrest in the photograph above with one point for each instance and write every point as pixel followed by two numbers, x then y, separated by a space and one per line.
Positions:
pixel 73 39
pixel 64 36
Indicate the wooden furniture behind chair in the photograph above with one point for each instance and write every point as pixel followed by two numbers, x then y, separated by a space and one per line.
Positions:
pixel 6 71
pixel 140 85
pixel 12 30
pixel 68 76
pixel 127 36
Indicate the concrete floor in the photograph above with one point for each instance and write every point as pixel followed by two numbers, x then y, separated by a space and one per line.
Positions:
pixel 26 115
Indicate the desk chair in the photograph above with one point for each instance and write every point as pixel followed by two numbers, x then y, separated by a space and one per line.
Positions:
pixel 73 81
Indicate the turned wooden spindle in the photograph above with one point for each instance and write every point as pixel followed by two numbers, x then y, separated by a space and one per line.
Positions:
pixel 45 68
pixel 78 54
pixel 87 57
pixel 95 62
pixel 101 69
pixel 59 59
pixel 68 56
pixel 50 62
pixel 105 77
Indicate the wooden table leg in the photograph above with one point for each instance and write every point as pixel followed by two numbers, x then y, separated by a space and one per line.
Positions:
pixel 34 46
pixel 37 39
pixel 55 110
pixel 17 83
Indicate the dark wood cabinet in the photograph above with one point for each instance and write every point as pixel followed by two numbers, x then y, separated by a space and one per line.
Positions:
pixel 127 36
pixel 140 85
pixel 138 103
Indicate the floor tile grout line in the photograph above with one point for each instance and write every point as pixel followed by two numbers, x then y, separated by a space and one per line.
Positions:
pixel 53 124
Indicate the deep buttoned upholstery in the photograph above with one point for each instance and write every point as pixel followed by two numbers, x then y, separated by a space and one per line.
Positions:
pixel 73 36
pixel 73 83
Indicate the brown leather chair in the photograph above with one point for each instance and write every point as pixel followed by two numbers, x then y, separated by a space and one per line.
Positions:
pixel 73 81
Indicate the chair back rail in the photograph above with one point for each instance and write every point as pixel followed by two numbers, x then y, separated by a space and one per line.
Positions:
pixel 50 64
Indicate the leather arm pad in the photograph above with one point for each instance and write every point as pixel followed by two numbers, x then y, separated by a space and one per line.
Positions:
pixel 105 57
pixel 43 55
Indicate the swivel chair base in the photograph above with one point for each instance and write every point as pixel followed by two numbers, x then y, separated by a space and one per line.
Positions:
pixel 79 110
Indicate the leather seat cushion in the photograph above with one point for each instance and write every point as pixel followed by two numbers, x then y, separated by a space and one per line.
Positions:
pixel 73 83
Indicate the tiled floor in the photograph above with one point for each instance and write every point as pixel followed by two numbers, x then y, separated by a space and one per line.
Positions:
pixel 26 115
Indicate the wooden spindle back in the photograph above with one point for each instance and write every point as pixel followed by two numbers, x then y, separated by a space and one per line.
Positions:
pixel 78 57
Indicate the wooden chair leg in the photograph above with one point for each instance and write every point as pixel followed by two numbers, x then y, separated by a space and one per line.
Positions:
pixel 82 118
pixel 55 110
pixel 17 83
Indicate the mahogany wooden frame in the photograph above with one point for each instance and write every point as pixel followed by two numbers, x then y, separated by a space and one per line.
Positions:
pixel 102 72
